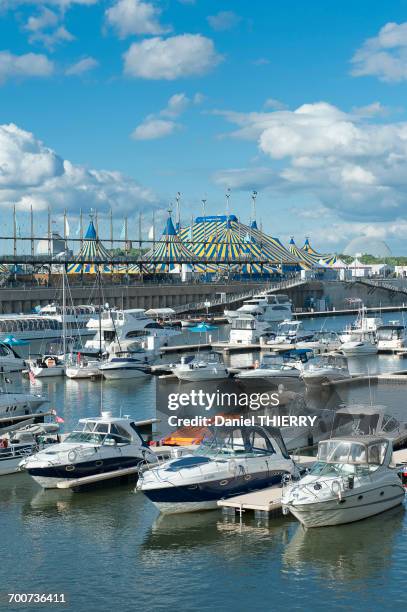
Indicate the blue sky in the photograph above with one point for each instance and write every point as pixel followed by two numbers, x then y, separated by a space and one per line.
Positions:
pixel 124 103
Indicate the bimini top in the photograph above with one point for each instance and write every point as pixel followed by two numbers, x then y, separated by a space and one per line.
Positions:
pixel 92 252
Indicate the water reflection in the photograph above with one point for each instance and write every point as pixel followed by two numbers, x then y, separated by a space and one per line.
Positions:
pixel 347 552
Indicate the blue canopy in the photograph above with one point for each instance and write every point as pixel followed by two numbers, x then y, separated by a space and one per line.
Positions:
pixel 12 341
pixel 202 327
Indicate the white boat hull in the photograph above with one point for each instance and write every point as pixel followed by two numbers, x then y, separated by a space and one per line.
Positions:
pixel 353 349
pixel 181 508
pixel 358 505
pixel 83 372
pixel 261 373
pixel 118 374
pixel 318 377
pixel 200 375
pixel 9 466
pixel 48 372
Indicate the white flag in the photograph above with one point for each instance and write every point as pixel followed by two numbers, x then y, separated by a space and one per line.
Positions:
pixel 151 233
pixel 66 227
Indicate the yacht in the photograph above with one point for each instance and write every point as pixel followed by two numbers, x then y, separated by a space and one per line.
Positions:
pixel 20 443
pixel 80 366
pixel 117 328
pixel 362 345
pixel 76 317
pixel 351 480
pixel 37 327
pixel 271 307
pixel 230 461
pixel 48 365
pixel 247 329
pixel 391 336
pixel 323 370
pixel 10 361
pixel 363 326
pixel 19 404
pixel 101 444
pixel 290 332
pixel 366 419
pixel 124 365
pixel 288 365
pixel 202 367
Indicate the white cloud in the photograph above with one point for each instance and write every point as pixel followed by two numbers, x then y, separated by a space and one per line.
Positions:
pixel 134 17
pixel 171 58
pixel 82 66
pixel 224 20
pixel 31 173
pixel 22 66
pixel 151 129
pixel 385 55
pixel 153 126
pixel 274 104
pixel 346 161
pixel 45 19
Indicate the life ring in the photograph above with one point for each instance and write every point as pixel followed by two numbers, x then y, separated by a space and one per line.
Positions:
pixel 72 456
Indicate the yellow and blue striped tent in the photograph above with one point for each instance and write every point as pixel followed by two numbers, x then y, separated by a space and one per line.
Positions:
pixel 92 252
pixel 306 260
pixel 327 259
pixel 4 269
pixel 167 254
pixel 226 241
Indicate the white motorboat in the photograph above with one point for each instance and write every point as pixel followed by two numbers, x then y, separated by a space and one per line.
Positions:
pixel 247 329
pixel 10 361
pixel 288 365
pixel 20 443
pixel 102 444
pixel 363 326
pixel 352 480
pixel 230 461
pixel 124 365
pixel 367 419
pixel 391 337
pixel 18 404
pixel 290 332
pixel 356 348
pixel 271 307
pixel 48 365
pixel 321 371
pixel 203 367
pixel 115 328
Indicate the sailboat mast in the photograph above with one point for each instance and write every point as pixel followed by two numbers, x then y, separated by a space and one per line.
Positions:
pixel 63 312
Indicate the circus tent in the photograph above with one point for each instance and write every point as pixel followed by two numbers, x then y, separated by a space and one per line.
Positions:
pixel 4 269
pixel 328 259
pixel 168 254
pixel 225 240
pixel 305 259
pixel 92 252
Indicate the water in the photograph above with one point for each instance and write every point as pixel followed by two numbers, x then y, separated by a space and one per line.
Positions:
pixel 109 547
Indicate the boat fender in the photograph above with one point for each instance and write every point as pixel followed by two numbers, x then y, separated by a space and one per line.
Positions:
pixel 336 489
pixel 72 456
pixel 233 467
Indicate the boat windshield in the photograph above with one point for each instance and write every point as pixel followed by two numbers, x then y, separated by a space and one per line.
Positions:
pixel 321 468
pixel 353 453
pixel 87 437
pixel 236 442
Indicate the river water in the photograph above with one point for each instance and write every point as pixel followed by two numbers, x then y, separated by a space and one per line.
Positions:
pixel 109 548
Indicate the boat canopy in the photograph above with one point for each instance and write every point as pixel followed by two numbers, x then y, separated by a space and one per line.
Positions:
pixel 358 450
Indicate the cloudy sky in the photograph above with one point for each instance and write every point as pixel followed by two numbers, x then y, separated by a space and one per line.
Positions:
pixel 123 103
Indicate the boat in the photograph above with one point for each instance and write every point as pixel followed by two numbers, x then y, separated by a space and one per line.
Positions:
pixel 363 325
pixel 288 365
pixel 101 445
pixel 271 307
pixel 48 365
pixel 230 461
pixel 10 361
pixel 290 332
pixel 247 329
pixel 20 443
pixel 366 345
pixel 202 367
pixel 126 328
pixel 76 317
pixel 351 480
pixel 369 419
pixel 391 337
pixel 124 365
pixel 83 368
pixel 323 370
pixel 17 404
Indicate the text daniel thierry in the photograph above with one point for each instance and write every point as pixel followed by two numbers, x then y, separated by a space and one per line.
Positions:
pixel 262 420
